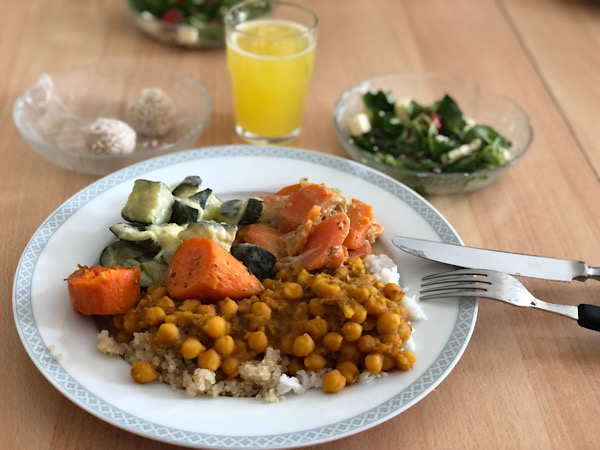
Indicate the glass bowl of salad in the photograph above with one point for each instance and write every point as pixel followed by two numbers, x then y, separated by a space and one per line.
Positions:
pixel 191 24
pixel 435 133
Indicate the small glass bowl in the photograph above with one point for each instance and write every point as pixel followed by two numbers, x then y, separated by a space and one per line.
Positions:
pixel 499 112
pixel 52 114
pixel 200 36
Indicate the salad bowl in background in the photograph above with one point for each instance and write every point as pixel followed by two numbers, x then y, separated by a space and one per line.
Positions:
pixel 502 114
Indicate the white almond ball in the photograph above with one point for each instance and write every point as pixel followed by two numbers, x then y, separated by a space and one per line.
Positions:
pixel 109 137
pixel 151 113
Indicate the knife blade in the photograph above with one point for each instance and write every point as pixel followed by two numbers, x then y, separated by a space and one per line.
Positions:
pixel 513 263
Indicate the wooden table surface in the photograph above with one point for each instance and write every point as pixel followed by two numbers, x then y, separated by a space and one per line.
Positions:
pixel 528 379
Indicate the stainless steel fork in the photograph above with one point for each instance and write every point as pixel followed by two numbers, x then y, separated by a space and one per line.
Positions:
pixel 500 286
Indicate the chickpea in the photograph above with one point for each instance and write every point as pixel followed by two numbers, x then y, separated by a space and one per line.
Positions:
pixel 360 314
pixel 324 289
pixel 301 310
pixel 215 327
pixel 166 304
pixel 375 306
pixel 228 308
pixel 333 381
pixel 404 331
pixel 374 363
pixel 388 322
pixel 314 362
pixel 303 345
pixel 209 359
pixel 206 310
pixel 257 341
pixel 304 278
pixel 317 328
pixel 360 294
pixel 224 345
pixel 292 291
pixel 143 372
pixel 123 337
pixel 154 315
pixel 349 370
pixel 332 341
pixel 191 348
pixel 366 343
pixel 156 292
pixel 189 305
pixel 167 334
pixel 351 331
pixel 394 339
pixel 388 363
pixel 230 366
pixel 131 323
pixel 261 309
pixel 393 292
pixel 405 360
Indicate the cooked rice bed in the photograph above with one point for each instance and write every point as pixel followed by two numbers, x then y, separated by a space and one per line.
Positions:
pixel 344 320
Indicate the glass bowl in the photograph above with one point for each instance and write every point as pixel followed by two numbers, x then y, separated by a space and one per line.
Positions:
pixel 203 30
pixel 52 114
pixel 499 112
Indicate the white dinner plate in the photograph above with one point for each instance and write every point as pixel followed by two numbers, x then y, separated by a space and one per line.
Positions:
pixel 62 344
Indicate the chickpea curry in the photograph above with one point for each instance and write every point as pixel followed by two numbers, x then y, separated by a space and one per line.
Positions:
pixel 318 308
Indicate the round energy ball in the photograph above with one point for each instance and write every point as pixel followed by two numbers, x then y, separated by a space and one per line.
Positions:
pixel 109 137
pixel 151 113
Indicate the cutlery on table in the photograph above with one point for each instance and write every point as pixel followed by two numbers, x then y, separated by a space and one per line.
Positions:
pixel 500 286
pixel 511 263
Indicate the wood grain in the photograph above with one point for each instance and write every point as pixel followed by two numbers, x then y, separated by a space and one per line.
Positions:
pixel 528 379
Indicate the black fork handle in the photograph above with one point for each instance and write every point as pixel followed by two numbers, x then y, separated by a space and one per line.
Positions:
pixel 589 316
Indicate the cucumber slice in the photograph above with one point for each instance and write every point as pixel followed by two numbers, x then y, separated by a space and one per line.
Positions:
pixel 149 202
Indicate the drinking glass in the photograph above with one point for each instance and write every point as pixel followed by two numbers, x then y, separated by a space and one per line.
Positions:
pixel 270 57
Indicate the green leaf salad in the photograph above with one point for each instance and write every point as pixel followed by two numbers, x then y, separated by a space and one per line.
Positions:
pixel 425 138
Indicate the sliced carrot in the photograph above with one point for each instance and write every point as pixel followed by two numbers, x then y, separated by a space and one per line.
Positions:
pixel 296 240
pixel 299 203
pixel 361 251
pixel 101 290
pixel 265 237
pixel 202 269
pixel 336 257
pixel 361 217
pixel 322 243
pixel 288 189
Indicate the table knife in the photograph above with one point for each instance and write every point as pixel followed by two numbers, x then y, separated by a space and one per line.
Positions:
pixel 511 263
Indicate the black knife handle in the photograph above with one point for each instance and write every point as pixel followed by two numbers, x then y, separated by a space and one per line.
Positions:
pixel 589 316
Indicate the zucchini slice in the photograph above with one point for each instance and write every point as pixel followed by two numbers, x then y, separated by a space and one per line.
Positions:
pixel 118 253
pixel 188 187
pixel 222 233
pixel 185 211
pixel 135 236
pixel 239 212
pixel 212 207
pixel 149 202
pixel 153 272
pixel 166 237
pixel 202 197
pixel 260 261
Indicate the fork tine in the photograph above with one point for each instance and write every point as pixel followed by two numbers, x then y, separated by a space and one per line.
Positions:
pixel 450 295
pixel 458 273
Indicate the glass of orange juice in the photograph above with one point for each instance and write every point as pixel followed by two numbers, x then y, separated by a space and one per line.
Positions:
pixel 270 57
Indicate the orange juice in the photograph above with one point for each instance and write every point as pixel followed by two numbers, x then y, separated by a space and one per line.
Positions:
pixel 270 62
